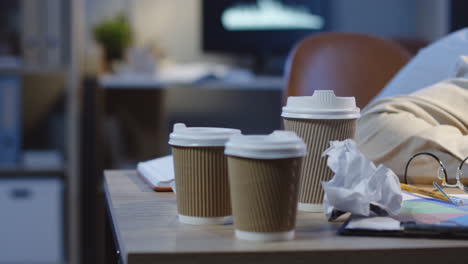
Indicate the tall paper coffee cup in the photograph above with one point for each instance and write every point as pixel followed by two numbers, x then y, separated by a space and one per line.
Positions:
pixel 318 119
pixel 201 174
pixel 264 175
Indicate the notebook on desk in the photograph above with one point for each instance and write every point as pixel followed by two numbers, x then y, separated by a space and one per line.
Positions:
pixel 158 173
pixel 419 217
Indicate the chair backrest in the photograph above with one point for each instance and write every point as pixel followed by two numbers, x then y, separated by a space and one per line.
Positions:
pixel 348 63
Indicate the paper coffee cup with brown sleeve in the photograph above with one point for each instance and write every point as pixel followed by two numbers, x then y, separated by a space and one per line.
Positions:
pixel 318 119
pixel 201 174
pixel 263 177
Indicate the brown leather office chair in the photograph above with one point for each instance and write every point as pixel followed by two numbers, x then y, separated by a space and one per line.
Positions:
pixel 350 64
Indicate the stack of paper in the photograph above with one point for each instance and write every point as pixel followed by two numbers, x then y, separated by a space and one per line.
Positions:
pixel 158 173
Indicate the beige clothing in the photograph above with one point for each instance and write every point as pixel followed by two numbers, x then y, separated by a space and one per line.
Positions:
pixel 434 119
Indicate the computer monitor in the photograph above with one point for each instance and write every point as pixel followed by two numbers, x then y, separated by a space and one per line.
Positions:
pixel 261 27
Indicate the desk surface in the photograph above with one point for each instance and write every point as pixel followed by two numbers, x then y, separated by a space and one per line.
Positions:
pixel 147 231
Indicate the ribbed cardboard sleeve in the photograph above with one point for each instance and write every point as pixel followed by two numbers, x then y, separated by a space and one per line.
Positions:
pixel 317 133
pixel 264 193
pixel 201 181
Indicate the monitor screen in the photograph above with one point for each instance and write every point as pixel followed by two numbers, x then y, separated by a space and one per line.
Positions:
pixel 261 26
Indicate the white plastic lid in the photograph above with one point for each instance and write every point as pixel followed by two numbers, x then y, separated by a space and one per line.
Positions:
pixel 323 104
pixel 200 136
pixel 277 145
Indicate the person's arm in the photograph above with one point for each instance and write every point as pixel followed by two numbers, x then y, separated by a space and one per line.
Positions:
pixel 392 130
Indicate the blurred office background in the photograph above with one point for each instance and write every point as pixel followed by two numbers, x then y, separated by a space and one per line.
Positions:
pixel 87 85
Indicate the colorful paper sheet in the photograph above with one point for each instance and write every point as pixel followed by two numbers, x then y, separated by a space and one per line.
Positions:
pixel 432 211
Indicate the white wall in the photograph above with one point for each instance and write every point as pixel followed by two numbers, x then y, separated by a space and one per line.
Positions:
pixel 174 25
pixel 395 18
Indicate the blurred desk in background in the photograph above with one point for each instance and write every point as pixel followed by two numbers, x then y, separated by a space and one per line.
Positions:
pixel 210 82
pixel 140 111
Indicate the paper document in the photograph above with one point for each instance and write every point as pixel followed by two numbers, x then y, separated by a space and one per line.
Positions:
pixel 158 172
pixel 418 209
pixel 374 223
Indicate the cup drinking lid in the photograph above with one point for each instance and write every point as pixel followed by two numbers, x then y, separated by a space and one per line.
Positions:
pixel 277 145
pixel 323 104
pixel 200 136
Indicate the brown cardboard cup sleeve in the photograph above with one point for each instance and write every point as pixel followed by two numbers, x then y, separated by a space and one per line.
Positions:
pixel 318 119
pixel 201 174
pixel 263 173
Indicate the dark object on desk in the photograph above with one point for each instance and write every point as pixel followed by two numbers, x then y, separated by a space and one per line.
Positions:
pixel 162 189
pixel 350 64
pixel 376 210
pixel 411 229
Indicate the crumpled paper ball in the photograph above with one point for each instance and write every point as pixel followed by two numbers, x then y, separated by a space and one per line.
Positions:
pixel 358 184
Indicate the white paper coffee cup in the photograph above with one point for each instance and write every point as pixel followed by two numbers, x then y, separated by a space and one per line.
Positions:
pixel 264 174
pixel 201 178
pixel 318 119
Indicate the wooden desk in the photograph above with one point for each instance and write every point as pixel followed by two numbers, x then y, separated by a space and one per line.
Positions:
pixel 146 230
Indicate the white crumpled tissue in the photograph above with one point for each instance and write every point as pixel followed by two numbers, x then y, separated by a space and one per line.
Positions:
pixel 358 184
